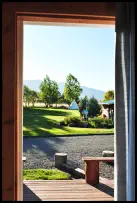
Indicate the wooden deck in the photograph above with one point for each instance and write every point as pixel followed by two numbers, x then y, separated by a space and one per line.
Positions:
pixel 67 190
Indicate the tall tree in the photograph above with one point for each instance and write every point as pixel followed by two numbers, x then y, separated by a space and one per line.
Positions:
pixel 72 89
pixel 26 95
pixel 83 104
pixel 93 107
pixel 33 97
pixel 61 99
pixel 109 95
pixel 49 92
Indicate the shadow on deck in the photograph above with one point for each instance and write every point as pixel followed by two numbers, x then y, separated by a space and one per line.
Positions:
pixel 67 190
pixel 29 195
pixel 106 186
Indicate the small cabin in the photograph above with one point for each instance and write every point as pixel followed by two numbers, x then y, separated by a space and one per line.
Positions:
pixel 107 109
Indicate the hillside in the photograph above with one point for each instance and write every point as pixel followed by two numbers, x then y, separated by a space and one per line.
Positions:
pixel 98 94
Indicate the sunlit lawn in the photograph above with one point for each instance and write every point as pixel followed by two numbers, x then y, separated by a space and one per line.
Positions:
pixel 45 174
pixel 39 121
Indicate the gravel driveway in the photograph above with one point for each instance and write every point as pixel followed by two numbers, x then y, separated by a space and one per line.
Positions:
pixel 40 151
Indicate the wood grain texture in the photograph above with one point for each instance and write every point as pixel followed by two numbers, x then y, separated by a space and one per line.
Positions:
pixel 92 168
pixel 64 8
pixel 92 172
pixel 46 18
pixel 70 190
pixel 8 106
pixel 19 112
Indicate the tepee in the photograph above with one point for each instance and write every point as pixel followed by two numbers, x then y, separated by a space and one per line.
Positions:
pixel 73 106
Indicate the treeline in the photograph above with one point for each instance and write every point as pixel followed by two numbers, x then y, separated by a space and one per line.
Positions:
pixel 49 92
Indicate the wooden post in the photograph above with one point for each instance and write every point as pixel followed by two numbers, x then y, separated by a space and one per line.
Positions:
pixel 92 172
pixel 60 158
pixel 92 168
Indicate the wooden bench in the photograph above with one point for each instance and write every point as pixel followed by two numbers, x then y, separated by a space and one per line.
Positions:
pixel 92 168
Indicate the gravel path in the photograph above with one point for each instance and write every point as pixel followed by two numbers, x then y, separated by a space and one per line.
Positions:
pixel 40 151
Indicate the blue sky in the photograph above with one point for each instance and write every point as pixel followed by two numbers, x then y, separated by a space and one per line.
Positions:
pixel 87 53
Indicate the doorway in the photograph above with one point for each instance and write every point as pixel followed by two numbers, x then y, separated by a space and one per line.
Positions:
pixel 12 111
pixel 51 24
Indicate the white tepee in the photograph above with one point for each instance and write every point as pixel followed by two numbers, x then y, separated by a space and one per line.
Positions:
pixel 73 106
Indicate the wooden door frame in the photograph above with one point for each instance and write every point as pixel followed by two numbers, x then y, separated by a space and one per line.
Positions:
pixel 13 15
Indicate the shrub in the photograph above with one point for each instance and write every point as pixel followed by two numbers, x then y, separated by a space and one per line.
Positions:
pixel 62 107
pixel 110 126
pixel 95 122
pixel 98 122
pixel 62 123
pixel 86 124
pixel 77 122
pixel 99 116
pixel 72 121
pixel 72 125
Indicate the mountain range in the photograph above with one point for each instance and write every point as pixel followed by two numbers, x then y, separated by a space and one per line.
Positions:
pixel 98 94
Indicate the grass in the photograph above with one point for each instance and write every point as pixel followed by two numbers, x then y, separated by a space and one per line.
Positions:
pixel 39 121
pixel 45 174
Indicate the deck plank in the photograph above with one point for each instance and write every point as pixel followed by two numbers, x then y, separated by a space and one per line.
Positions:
pixel 67 190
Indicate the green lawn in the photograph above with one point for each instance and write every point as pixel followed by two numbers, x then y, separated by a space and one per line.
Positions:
pixel 45 174
pixel 44 122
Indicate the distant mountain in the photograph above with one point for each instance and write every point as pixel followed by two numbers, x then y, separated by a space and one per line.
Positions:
pixel 98 94
pixel 33 84
pixel 90 92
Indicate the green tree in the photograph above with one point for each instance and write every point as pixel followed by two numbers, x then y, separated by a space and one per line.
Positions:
pixel 109 95
pixel 93 107
pixel 39 97
pixel 49 92
pixel 83 104
pixel 55 94
pixel 61 99
pixel 72 89
pixel 33 96
pixel 26 95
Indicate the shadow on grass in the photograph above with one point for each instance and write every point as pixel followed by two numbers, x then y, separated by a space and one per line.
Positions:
pixel 40 122
pixel 36 123
pixel 45 111
pixel 37 126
